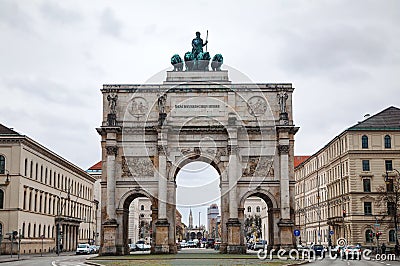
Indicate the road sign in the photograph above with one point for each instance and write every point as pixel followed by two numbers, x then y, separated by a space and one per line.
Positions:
pixel 296 232
pixel 377 225
pixel 331 232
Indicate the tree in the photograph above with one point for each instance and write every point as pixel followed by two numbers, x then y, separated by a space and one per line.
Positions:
pixel 389 200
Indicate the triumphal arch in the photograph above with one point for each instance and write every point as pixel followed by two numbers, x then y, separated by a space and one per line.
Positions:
pixel 150 131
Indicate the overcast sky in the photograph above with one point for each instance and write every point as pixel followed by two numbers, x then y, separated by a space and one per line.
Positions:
pixel 343 58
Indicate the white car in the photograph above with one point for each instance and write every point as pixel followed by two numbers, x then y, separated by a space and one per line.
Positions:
pixel 83 249
pixel 140 245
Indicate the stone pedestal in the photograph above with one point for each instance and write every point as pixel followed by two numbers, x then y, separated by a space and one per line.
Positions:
pixel 109 246
pixel 234 244
pixel 286 234
pixel 161 246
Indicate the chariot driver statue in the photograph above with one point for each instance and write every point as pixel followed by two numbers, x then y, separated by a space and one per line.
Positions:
pixel 197 45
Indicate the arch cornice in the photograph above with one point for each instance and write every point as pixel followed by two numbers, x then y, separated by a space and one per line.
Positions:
pixel 135 193
pixel 262 193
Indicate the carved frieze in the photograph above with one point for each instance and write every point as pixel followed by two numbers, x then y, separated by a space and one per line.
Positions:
pixel 137 166
pixel 261 166
pixel 232 149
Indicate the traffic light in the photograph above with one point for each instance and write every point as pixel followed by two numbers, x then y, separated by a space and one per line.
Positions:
pixel 344 213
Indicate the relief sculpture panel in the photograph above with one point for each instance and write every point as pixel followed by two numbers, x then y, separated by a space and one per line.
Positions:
pixel 137 166
pixel 261 166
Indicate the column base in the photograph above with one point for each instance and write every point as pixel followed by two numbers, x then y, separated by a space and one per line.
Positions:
pixel 287 240
pixel 161 246
pixel 109 246
pixel 234 244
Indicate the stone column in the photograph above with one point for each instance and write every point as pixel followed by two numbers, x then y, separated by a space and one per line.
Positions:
pixel 162 225
pixel 285 224
pixel 284 174
pixel 111 154
pixel 233 225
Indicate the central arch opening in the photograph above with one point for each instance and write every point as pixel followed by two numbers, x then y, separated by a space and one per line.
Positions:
pixel 198 201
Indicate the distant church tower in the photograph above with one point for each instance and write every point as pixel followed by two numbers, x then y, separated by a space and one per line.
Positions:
pixel 190 219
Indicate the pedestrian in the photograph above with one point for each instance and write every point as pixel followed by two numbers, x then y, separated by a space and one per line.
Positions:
pixel 383 248
pixel 396 249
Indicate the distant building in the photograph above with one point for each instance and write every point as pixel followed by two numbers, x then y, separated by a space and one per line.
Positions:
pixel 213 218
pixel 256 208
pixel 39 192
pixel 339 189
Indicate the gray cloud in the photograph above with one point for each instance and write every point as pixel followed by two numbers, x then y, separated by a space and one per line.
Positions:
pixel 13 16
pixel 109 24
pixel 54 12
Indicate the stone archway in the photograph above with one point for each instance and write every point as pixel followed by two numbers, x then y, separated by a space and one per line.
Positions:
pixel 273 215
pixel 150 131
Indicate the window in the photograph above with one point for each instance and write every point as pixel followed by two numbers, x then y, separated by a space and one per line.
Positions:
pixel 367 184
pixel 365 165
pixel 26 167
pixel 367 208
pixel 2 164
pixel 249 209
pixel 258 209
pixel 392 236
pixel 388 165
pixel 1 199
pixel 369 236
pixel 364 142
pixel 388 142
pixel 391 208
pixel 142 207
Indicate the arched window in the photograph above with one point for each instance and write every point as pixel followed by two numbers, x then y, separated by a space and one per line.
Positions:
pixel 23 229
pixel 258 209
pixel 388 142
pixel 29 231
pixel 249 209
pixel 1 199
pixel 2 164
pixel 369 236
pixel 1 229
pixel 364 142
pixel 142 207
pixel 392 236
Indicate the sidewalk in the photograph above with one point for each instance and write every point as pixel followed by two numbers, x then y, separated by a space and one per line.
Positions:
pixel 7 258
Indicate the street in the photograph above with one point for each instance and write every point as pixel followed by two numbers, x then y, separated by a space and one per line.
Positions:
pixel 329 261
pixel 74 260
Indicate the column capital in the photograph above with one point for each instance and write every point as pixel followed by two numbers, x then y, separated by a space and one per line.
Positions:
pixel 161 149
pixel 233 149
pixel 112 150
pixel 283 149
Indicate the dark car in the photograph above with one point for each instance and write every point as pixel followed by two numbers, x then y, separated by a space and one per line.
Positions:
pixel 210 243
pixel 319 250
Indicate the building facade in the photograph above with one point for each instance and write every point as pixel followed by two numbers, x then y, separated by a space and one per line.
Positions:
pixel 42 193
pixel 213 218
pixel 341 189
pixel 256 215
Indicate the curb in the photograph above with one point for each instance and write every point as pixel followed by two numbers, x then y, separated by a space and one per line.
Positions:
pixel 92 263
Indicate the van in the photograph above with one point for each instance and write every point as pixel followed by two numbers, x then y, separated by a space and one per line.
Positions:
pixel 83 249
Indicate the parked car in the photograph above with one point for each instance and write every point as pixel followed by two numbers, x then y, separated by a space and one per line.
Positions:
pixel 335 250
pixel 351 252
pixel 319 250
pixel 210 243
pixel 132 247
pixel 250 245
pixel 183 245
pixel 142 246
pixel 260 245
pixel 94 249
pixel 83 249
pixel 217 245
pixel 191 244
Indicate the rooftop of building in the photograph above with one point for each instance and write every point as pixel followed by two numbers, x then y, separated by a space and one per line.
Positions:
pixel 298 159
pixel 388 119
pixel 7 131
